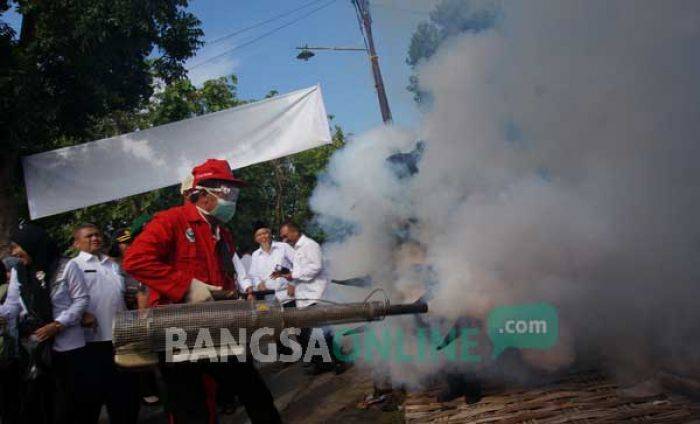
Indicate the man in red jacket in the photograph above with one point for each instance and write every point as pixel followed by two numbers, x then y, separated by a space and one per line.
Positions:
pixel 183 255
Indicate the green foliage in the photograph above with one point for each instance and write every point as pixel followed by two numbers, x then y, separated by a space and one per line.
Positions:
pixel 78 70
pixel 219 94
pixel 448 18
pixel 81 70
pixel 6 35
pixel 455 17
pixel 181 100
pixel 176 102
pixel 79 60
pixel 424 42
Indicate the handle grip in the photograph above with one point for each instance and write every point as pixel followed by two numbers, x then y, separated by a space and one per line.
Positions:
pixel 411 308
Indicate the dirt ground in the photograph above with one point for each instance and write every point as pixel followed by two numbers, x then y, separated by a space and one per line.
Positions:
pixel 303 398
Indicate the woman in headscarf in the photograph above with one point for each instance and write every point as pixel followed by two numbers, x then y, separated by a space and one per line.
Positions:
pixel 52 294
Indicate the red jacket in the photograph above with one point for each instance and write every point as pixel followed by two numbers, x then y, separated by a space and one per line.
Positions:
pixel 175 247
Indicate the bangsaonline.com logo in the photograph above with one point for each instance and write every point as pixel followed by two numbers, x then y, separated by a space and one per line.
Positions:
pixel 531 326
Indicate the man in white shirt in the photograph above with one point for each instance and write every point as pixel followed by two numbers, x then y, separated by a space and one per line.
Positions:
pixel 308 279
pixel 104 280
pixel 270 257
pixel 308 282
pixel 105 283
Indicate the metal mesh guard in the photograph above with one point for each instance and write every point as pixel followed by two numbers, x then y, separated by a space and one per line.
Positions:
pixel 145 330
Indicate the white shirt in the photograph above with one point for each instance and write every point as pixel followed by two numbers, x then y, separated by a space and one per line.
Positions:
pixel 69 300
pixel 246 260
pixel 265 263
pixel 104 280
pixel 308 272
pixel 242 278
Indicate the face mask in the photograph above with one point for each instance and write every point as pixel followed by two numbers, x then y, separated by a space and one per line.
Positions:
pixel 224 210
pixel 225 207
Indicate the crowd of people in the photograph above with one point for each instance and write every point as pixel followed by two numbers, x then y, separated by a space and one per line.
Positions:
pixel 56 352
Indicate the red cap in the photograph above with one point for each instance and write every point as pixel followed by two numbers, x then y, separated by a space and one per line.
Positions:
pixel 214 169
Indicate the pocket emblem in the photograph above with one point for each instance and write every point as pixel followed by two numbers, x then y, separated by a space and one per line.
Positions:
pixel 189 233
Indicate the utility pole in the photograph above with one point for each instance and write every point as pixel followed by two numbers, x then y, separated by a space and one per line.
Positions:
pixel 362 7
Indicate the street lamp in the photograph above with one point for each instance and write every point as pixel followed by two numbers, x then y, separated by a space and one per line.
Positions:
pixel 306 51
pixel 365 20
pixel 305 54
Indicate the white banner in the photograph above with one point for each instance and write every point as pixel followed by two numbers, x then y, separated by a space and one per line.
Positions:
pixel 99 171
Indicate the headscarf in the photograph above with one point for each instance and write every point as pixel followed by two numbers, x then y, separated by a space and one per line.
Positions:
pixel 35 280
pixel 39 246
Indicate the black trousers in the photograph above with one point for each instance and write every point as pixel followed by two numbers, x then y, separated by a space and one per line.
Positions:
pixel 49 396
pixel 186 398
pixel 10 393
pixel 103 383
pixel 64 387
pixel 305 337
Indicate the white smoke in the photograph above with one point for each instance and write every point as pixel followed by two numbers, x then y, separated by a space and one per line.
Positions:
pixel 560 166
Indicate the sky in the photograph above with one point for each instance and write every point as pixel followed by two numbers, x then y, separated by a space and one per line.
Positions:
pixel 270 63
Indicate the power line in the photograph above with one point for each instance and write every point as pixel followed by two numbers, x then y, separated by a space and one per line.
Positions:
pixel 260 37
pixel 359 22
pixel 261 23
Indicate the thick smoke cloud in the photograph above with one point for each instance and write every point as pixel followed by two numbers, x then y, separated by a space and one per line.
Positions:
pixel 560 165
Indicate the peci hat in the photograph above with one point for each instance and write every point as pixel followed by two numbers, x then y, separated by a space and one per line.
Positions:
pixel 258 225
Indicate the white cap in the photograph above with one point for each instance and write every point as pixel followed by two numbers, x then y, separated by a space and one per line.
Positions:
pixel 186 184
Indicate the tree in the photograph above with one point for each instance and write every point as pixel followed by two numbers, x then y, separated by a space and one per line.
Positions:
pixel 78 67
pixel 449 18
pixel 119 69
